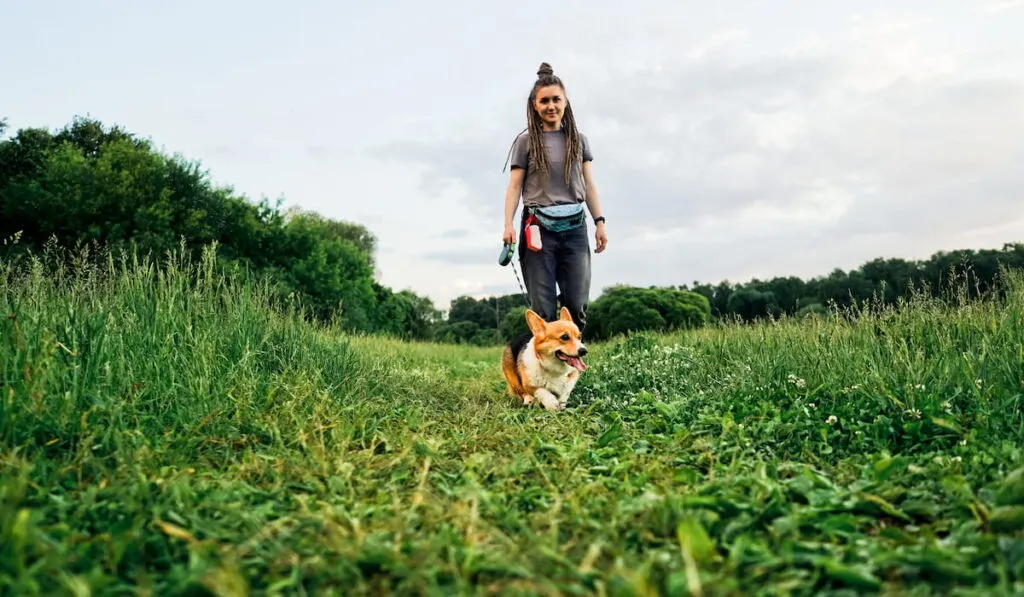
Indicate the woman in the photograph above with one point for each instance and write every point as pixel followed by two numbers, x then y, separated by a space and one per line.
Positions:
pixel 551 170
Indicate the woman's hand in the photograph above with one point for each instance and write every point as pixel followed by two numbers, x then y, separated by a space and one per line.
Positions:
pixel 600 237
pixel 509 236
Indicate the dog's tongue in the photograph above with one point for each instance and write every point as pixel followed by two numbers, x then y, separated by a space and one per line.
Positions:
pixel 576 362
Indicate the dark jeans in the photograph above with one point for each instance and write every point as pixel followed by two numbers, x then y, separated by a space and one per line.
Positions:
pixel 564 259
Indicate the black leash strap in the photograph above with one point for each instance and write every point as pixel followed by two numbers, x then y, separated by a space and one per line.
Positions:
pixel 526 299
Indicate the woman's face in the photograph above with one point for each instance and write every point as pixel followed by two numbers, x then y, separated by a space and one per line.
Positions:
pixel 550 105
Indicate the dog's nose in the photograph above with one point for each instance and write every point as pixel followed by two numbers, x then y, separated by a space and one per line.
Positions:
pixel 583 351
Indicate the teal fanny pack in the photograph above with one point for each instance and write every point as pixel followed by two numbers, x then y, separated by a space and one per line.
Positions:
pixel 559 218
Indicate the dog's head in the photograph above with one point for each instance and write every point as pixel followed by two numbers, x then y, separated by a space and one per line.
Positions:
pixel 559 339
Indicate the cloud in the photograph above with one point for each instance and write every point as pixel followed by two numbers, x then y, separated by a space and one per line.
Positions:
pixel 318 152
pixel 504 289
pixel 454 233
pixel 1001 5
pixel 475 255
pixel 869 143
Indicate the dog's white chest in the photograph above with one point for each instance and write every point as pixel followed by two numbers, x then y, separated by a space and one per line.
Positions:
pixel 555 377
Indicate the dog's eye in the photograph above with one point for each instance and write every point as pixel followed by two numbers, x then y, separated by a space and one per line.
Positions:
pixel 565 337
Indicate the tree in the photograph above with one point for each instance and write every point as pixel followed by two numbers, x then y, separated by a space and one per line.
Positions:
pixel 788 291
pixel 486 313
pixel 513 324
pixel 458 332
pixel 357 234
pixel 751 304
pixel 627 309
pixel 96 184
pixel 404 314
pixel 331 272
pixel 892 278
pixel 467 308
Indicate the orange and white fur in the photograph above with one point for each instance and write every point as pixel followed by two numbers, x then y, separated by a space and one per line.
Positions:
pixel 544 364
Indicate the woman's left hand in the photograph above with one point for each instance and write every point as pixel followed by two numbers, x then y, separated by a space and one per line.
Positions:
pixel 600 237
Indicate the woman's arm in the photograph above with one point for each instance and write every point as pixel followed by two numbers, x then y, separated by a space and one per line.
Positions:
pixel 594 205
pixel 515 186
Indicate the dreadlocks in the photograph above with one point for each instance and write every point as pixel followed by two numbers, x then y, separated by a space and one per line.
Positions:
pixel 573 148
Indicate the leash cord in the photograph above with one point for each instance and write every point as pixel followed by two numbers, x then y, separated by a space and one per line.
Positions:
pixel 526 299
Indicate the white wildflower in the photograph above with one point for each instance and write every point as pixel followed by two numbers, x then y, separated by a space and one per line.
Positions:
pixel 832 420
pixel 913 413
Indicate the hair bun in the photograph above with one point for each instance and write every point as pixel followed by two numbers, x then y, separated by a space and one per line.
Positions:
pixel 545 70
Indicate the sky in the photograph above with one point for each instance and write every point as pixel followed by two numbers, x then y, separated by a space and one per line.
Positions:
pixel 744 139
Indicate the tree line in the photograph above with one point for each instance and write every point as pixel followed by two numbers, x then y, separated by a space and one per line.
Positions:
pixel 880 281
pixel 88 184
pixel 618 310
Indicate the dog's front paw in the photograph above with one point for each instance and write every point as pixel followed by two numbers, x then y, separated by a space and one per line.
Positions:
pixel 549 401
pixel 527 400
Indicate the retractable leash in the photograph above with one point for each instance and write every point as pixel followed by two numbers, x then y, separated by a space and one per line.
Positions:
pixel 506 252
pixel 506 258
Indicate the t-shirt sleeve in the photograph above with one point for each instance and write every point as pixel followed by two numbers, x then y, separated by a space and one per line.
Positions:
pixel 588 156
pixel 521 151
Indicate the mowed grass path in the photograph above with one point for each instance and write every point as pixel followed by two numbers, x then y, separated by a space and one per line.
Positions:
pixel 171 435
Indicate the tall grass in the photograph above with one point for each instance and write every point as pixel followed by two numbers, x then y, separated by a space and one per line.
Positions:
pixel 163 431
pixel 923 374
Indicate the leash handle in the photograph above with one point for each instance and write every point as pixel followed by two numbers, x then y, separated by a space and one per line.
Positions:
pixel 506 254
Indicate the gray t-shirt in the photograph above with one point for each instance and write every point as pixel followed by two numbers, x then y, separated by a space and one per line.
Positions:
pixel 552 190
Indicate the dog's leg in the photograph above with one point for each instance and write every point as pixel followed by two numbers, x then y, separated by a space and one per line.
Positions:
pixel 567 389
pixel 527 399
pixel 549 400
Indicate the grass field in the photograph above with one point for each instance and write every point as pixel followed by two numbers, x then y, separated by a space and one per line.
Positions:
pixel 170 435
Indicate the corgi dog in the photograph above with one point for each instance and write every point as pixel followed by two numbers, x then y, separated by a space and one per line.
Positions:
pixel 545 363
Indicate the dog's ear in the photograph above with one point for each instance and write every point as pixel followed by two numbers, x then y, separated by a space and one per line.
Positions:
pixel 564 314
pixel 536 322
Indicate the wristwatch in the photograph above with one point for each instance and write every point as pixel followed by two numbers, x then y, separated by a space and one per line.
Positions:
pixel 598 219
